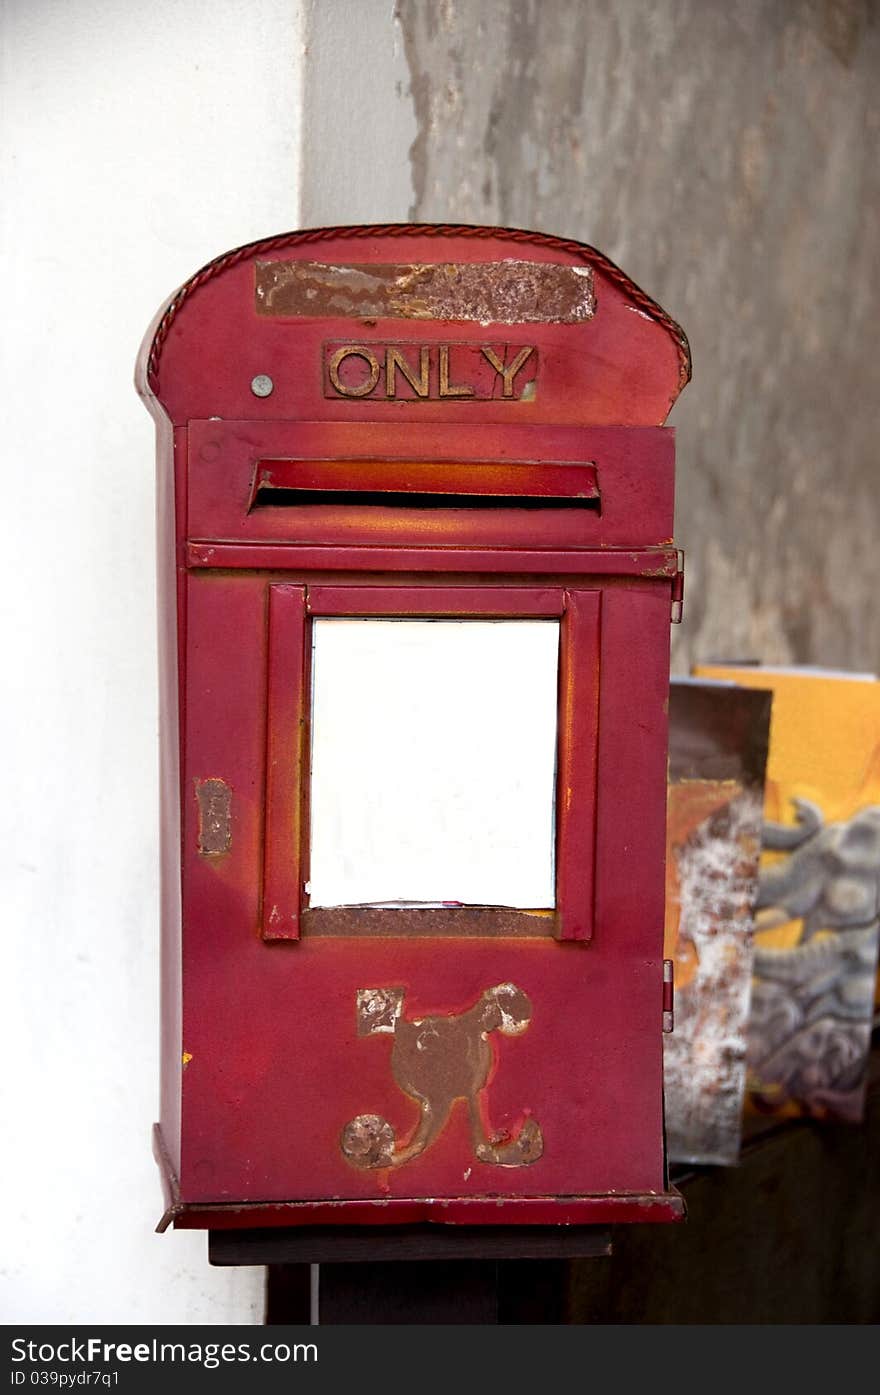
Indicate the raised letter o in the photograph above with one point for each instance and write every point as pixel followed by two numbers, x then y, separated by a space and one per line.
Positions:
pixel 354 351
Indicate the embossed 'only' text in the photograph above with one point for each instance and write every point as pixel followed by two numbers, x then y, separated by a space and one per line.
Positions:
pixel 430 372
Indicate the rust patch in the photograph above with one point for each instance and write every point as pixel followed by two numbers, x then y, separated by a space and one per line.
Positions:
pixel 378 1010
pixel 467 921
pixel 507 292
pixel 215 817
pixel 714 836
pixel 438 1061
pixel 368 1141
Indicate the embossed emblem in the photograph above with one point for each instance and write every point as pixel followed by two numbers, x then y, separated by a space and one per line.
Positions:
pixel 438 1061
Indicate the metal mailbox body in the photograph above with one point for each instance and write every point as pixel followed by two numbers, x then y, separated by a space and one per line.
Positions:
pixel 398 422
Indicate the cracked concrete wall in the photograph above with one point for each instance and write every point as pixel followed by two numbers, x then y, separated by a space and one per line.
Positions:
pixel 724 153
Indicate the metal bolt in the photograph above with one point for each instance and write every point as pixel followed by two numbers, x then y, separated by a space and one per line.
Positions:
pixel 261 385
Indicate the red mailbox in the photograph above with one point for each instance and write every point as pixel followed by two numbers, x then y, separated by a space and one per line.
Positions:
pixel 415 522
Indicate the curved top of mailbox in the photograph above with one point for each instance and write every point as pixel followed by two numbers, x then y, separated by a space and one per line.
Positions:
pixel 417 322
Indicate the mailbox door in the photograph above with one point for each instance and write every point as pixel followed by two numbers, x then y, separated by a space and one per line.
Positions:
pixel 362 1053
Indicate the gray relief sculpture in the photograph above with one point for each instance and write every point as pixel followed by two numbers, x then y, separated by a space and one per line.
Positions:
pixel 812 1004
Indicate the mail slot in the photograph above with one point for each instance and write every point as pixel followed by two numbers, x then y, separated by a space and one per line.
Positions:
pixel 416 575
pixel 421 484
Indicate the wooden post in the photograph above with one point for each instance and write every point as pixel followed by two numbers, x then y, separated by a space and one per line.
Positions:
pixel 412 1274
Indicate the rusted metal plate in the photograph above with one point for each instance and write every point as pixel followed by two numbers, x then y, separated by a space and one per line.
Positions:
pixel 507 292
pixel 215 817
pixel 451 921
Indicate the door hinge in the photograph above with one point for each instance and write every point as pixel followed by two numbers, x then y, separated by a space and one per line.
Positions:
pixel 678 590
pixel 668 995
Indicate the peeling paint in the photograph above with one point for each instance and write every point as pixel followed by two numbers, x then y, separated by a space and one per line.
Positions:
pixel 215 817
pixel 378 1009
pixel 506 292
pixel 705 1057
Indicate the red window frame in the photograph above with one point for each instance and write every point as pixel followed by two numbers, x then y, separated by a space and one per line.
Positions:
pixel 291 608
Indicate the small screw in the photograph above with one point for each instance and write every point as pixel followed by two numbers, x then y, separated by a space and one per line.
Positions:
pixel 261 385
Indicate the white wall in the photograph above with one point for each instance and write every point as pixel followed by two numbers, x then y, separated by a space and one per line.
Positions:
pixel 358 115
pixel 139 140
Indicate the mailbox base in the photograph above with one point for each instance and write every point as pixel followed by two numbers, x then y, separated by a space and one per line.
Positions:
pixel 562 1211
pixel 347 1244
pixel 413 1274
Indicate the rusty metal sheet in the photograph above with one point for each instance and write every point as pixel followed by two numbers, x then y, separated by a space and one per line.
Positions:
pixel 717 756
pixel 215 817
pixel 408 920
pixel 507 292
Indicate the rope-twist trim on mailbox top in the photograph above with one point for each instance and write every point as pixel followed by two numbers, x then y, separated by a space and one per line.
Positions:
pixel 586 254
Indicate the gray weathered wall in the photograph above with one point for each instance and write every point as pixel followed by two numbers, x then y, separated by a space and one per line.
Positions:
pixel 725 154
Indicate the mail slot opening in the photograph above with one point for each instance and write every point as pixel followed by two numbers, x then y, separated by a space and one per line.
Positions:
pixel 424 484
pixel 269 496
